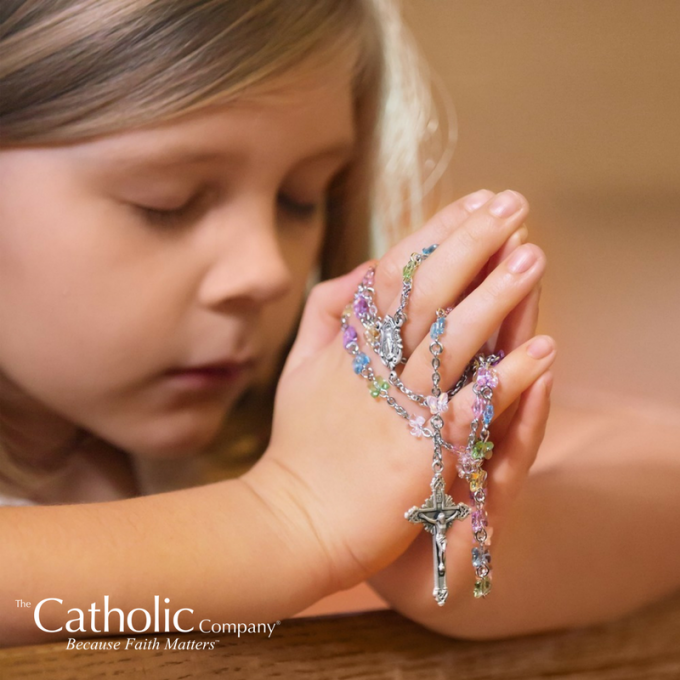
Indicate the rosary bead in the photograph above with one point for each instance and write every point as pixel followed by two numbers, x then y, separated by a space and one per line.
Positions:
pixel 409 270
pixel 480 557
pixel 360 306
pixel 482 450
pixel 488 413
pixel 349 336
pixel 371 334
pixel 417 426
pixel 377 386
pixel 478 407
pixel 437 328
pixel 430 249
pixel 479 519
pixel 482 586
pixel 360 362
pixel 477 479
pixel 438 404
pixel 487 377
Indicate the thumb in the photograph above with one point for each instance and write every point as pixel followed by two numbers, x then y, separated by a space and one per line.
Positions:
pixel 320 322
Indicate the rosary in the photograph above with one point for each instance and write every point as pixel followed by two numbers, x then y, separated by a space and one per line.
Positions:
pixel 439 511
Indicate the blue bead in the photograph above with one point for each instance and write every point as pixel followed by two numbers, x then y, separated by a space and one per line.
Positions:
pixel 360 361
pixel 488 413
pixel 437 328
pixel 430 249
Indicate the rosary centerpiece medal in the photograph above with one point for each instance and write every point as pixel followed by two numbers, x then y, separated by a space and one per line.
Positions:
pixel 390 345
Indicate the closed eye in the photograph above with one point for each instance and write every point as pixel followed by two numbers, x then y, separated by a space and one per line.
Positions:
pixel 299 210
pixel 303 211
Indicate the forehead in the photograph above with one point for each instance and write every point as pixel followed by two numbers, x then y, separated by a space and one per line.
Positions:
pixel 301 113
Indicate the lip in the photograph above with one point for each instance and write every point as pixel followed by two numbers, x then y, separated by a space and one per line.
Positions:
pixel 206 376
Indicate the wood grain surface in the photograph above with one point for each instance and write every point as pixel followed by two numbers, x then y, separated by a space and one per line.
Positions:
pixel 380 644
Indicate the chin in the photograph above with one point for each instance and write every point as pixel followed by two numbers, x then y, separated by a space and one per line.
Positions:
pixel 177 436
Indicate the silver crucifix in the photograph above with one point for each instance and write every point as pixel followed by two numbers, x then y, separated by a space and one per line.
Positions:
pixel 437 514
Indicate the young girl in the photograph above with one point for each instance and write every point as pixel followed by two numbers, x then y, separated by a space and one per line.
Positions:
pixel 173 176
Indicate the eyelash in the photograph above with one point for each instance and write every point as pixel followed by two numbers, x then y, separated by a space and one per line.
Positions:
pixel 302 211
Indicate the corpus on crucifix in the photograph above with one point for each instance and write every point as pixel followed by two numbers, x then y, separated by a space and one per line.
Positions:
pixel 436 515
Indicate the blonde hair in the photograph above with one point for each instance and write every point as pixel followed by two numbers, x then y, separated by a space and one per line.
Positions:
pixel 73 69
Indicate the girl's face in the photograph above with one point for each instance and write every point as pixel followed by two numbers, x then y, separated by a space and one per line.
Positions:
pixel 185 244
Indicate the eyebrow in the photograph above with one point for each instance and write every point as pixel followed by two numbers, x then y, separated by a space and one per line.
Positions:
pixel 182 157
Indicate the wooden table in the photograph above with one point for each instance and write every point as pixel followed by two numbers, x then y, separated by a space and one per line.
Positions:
pixel 376 645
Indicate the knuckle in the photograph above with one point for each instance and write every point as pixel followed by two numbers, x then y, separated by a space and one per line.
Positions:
pixel 471 235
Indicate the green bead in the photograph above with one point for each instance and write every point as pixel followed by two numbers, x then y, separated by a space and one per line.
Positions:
pixel 377 386
pixel 482 450
pixel 409 269
pixel 482 587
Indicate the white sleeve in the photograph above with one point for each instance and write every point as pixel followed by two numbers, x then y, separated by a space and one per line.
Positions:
pixel 13 500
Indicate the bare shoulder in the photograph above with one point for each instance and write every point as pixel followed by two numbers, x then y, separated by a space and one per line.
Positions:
pixel 587 424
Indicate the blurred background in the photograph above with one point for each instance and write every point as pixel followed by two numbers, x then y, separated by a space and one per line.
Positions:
pixel 576 105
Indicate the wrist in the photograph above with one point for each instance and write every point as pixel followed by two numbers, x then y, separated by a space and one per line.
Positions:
pixel 296 543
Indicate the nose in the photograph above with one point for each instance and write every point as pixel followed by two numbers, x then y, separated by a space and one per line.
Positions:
pixel 246 260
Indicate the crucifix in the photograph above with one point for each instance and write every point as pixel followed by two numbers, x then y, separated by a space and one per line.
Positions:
pixel 436 515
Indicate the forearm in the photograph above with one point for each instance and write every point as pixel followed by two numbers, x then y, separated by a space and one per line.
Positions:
pixel 590 538
pixel 220 550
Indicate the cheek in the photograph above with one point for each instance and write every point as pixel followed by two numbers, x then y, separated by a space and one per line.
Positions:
pixel 81 309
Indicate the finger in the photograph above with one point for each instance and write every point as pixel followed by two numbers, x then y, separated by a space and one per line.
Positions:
pixel 515 454
pixel 388 274
pixel 320 322
pixel 518 327
pixel 515 240
pixel 516 372
pixel 444 275
pixel 474 320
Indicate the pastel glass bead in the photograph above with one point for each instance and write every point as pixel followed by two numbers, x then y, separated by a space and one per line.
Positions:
pixel 377 385
pixel 371 334
pixel 409 269
pixel 479 519
pixel 482 450
pixel 360 306
pixel 482 586
pixel 360 362
pixel 437 328
pixel 478 407
pixel 487 377
pixel 349 336
pixel 477 479
pixel 480 557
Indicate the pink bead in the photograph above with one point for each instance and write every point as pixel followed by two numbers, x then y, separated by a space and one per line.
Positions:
pixel 479 520
pixel 478 407
pixel 349 336
pixel 360 307
pixel 487 377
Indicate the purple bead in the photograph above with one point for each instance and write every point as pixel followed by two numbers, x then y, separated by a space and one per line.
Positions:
pixel 479 520
pixel 486 377
pixel 349 336
pixel 477 407
pixel 360 307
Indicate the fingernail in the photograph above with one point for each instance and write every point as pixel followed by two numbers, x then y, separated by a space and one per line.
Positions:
pixel 505 204
pixel 477 200
pixel 540 347
pixel 521 259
